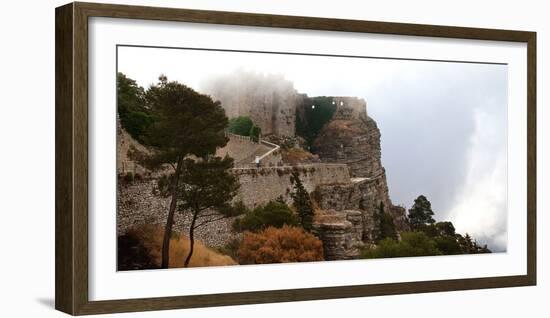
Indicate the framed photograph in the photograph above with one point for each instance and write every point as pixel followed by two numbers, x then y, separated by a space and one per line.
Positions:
pixel 211 158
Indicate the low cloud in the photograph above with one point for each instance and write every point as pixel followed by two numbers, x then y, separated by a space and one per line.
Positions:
pixel 444 136
pixel 479 207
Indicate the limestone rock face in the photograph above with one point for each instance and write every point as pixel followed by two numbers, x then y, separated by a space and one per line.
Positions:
pixel 364 196
pixel 353 141
pixel 341 233
pixel 398 214
pixel 353 138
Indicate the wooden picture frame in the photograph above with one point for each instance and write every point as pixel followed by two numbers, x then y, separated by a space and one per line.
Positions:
pixel 71 122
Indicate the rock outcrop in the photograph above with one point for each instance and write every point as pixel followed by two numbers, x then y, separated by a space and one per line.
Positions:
pixel 353 138
pixel 341 233
pixel 364 196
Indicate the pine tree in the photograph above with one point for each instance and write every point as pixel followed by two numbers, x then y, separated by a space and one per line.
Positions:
pixel 421 213
pixel 387 227
pixel 206 189
pixel 469 244
pixel 186 123
pixel 302 201
pixel 132 110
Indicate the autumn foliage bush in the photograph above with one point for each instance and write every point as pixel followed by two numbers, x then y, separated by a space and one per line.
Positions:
pixel 280 245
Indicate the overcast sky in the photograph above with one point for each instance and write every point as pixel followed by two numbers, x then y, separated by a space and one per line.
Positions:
pixel 443 124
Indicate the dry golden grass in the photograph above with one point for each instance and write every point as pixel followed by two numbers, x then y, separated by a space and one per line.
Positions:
pixel 344 126
pixel 151 236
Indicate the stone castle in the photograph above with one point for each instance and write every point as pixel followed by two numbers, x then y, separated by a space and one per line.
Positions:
pixel 346 181
pixel 269 100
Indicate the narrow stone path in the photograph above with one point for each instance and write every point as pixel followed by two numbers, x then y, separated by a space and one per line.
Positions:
pixel 249 160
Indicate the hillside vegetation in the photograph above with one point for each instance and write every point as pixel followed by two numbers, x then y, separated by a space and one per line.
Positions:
pixel 316 112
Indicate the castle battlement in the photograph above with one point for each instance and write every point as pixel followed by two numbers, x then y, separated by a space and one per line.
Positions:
pixel 350 108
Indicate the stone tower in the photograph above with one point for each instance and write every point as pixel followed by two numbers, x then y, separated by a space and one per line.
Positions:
pixel 269 100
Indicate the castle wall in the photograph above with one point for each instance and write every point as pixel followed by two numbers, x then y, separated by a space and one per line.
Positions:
pixel 350 108
pixel 138 203
pixel 274 159
pixel 259 186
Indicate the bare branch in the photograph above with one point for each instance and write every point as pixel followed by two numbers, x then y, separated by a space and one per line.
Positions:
pixel 210 221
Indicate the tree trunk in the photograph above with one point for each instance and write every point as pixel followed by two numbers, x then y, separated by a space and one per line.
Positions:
pixel 191 240
pixel 170 219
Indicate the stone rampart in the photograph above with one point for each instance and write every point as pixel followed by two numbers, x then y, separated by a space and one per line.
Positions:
pixel 259 186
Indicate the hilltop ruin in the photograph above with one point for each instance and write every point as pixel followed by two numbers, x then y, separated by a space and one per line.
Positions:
pixel 343 171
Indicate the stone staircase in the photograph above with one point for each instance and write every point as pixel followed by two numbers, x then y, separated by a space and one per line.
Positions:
pixel 248 161
pixel 244 151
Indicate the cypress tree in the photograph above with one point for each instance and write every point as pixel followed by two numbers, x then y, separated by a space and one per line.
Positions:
pixel 302 201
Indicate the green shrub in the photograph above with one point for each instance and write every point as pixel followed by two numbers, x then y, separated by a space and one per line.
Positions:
pixel 136 123
pixel 129 177
pixel 231 248
pixel 411 244
pixel 274 214
pixel 134 116
pixel 429 229
pixel 468 245
pixel 445 228
pixel 386 225
pixel 312 119
pixel 241 125
pixel 448 245
pixel 254 133
pixel 235 209
pixel 444 235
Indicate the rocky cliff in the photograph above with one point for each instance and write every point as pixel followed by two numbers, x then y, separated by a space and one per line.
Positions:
pixel 351 137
